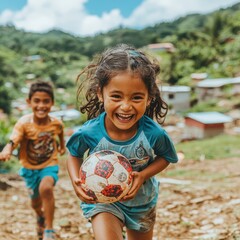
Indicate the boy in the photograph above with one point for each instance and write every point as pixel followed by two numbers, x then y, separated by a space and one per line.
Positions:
pixel 37 135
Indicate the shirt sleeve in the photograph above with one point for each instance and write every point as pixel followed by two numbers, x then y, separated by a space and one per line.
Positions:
pixel 17 134
pixel 164 148
pixel 77 145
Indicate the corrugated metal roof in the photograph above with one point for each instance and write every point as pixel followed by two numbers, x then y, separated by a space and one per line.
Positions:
pixel 218 82
pixel 210 117
pixel 174 88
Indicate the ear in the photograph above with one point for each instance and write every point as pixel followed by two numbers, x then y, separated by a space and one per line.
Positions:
pixel 100 96
pixel 149 101
pixel 28 101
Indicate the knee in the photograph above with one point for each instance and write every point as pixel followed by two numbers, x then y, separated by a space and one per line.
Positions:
pixel 46 191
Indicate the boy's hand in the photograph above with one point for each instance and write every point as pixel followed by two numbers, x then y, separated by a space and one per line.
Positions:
pixel 5 156
pixel 61 150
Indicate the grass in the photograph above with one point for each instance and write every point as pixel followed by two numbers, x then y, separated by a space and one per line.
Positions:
pixel 219 147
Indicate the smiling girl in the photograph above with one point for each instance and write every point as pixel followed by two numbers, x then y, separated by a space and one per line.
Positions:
pixel 122 99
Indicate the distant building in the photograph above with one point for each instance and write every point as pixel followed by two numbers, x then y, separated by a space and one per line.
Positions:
pixel 177 97
pixel 214 88
pixel 197 77
pixel 66 115
pixel 205 124
pixel 168 47
pixel 33 58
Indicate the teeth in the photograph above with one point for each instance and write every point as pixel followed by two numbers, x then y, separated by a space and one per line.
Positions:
pixel 124 115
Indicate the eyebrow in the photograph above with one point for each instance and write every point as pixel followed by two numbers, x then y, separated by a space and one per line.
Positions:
pixel 119 92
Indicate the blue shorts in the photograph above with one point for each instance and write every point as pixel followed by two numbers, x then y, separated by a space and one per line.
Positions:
pixel 140 218
pixel 33 178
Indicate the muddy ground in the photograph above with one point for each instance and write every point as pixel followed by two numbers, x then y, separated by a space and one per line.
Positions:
pixel 202 202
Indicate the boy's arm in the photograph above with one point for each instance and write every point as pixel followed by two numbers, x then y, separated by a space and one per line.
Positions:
pixel 5 155
pixel 62 148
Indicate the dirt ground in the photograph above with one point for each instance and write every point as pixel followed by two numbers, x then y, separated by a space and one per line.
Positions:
pixel 203 202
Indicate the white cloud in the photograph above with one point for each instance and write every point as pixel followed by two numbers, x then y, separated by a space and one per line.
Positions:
pixel 154 11
pixel 71 15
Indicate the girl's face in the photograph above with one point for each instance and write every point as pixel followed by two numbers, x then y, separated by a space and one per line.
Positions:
pixel 125 101
pixel 41 104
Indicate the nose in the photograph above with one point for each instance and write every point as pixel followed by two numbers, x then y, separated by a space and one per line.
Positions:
pixel 126 106
pixel 41 104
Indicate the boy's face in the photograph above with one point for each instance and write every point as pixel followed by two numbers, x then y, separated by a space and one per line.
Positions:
pixel 41 103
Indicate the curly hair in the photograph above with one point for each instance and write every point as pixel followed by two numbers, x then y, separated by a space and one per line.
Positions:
pixel 110 63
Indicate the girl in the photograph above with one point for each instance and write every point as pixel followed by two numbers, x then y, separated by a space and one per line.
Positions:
pixel 122 101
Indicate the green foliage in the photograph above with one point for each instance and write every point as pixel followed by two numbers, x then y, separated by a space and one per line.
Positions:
pixel 219 147
pixel 11 166
pixel 5 128
pixel 204 43
pixel 207 106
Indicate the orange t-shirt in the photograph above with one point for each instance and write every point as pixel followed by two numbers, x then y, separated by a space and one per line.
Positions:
pixel 38 143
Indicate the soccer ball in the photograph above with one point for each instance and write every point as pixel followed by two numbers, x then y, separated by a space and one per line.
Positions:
pixel 106 176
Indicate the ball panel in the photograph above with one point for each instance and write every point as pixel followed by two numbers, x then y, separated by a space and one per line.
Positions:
pixel 91 193
pixel 125 163
pixel 104 169
pixel 82 176
pixel 96 183
pixel 112 190
pixel 103 153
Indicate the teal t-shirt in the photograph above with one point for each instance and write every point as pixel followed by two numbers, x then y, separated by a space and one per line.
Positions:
pixel 150 141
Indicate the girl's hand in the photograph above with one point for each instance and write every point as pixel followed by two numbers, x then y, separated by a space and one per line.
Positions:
pixel 138 180
pixel 80 192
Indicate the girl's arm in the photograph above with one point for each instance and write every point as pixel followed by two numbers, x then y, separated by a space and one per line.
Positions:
pixel 157 166
pixel 5 155
pixel 73 166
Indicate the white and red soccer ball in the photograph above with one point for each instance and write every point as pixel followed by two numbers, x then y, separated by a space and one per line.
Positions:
pixel 106 176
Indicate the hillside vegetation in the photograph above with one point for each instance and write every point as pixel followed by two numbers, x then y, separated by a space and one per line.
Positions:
pixel 204 43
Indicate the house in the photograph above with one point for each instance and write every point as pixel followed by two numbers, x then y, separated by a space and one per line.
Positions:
pixel 167 47
pixel 177 97
pixel 197 77
pixel 33 58
pixel 66 115
pixel 201 125
pixel 214 88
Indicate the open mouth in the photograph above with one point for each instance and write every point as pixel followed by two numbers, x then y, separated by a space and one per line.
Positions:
pixel 124 117
pixel 41 112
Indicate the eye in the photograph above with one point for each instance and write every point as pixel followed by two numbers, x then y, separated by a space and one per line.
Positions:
pixel 138 98
pixel 115 96
pixel 46 101
pixel 35 100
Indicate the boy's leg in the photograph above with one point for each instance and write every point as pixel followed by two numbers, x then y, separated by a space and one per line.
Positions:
pixel 37 206
pixel 106 226
pixel 47 197
pixel 133 235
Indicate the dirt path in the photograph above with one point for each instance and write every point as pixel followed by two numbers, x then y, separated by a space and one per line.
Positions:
pixel 203 204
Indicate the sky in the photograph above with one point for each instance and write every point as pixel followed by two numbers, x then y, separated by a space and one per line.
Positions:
pixel 89 17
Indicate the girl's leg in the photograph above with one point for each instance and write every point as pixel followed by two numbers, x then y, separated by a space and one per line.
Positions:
pixel 136 235
pixel 47 197
pixel 106 226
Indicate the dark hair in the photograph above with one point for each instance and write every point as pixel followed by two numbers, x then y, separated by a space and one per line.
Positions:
pixel 41 86
pixel 107 65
